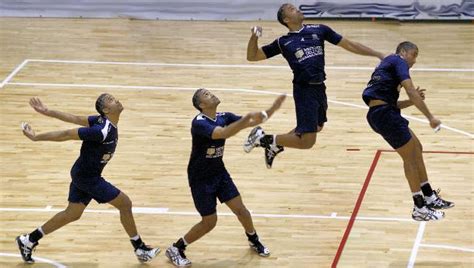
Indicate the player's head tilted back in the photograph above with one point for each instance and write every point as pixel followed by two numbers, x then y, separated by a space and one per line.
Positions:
pixel 408 51
pixel 203 99
pixel 289 14
pixel 107 104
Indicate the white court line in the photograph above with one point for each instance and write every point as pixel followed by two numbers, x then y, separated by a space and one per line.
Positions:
pixel 165 211
pixel 247 66
pixel 447 247
pixel 13 73
pixel 333 215
pixel 56 264
pixel 416 244
pixel 220 89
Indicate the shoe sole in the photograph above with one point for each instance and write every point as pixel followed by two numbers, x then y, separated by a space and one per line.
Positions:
pixel 247 147
pixel 441 207
pixel 156 254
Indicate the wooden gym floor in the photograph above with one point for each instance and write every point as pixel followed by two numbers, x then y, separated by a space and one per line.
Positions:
pixel 302 207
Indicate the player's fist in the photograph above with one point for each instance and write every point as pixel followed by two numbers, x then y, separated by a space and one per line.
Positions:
pixel 28 131
pixel 435 123
pixel 257 31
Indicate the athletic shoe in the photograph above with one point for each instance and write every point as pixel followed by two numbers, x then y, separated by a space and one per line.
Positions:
pixel 259 248
pixel 177 257
pixel 271 153
pixel 145 253
pixel 26 247
pixel 436 202
pixel 253 140
pixel 426 214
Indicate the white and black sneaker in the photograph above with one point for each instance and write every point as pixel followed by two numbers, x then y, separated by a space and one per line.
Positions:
pixel 253 140
pixel 436 202
pixel 426 214
pixel 145 253
pixel 177 257
pixel 26 247
pixel 270 154
pixel 259 248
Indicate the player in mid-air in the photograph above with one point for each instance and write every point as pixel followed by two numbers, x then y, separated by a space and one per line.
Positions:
pixel 303 48
pixel 207 175
pixel 99 135
pixel 384 117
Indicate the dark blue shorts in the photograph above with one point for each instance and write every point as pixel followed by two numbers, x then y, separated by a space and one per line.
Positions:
pixel 206 191
pixel 388 122
pixel 311 106
pixel 83 190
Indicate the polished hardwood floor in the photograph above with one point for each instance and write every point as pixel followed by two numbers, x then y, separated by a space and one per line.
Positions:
pixel 301 207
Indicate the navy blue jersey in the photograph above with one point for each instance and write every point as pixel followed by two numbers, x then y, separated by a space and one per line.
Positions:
pixel 385 80
pixel 98 147
pixel 206 162
pixel 304 51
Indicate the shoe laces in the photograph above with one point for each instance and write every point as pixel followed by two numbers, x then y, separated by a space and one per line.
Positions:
pixel 145 247
pixel 438 200
pixel 181 253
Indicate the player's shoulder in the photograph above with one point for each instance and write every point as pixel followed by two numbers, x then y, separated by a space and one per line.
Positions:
pixel 200 119
pixel 97 121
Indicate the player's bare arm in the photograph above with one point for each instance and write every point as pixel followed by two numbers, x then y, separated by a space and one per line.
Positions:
pixel 41 108
pixel 61 135
pixel 360 49
pixel 254 53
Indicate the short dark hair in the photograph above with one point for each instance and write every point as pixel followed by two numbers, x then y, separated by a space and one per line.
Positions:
pixel 197 99
pixel 100 103
pixel 407 45
pixel 281 15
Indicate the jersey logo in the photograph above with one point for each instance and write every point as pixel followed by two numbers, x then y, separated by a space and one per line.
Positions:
pixel 302 39
pixel 106 158
pixel 213 152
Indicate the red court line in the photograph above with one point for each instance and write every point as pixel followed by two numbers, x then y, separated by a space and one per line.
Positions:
pixel 362 194
pixel 356 209
pixel 433 152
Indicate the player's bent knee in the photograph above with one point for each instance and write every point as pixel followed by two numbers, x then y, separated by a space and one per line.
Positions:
pixel 209 224
pixel 242 212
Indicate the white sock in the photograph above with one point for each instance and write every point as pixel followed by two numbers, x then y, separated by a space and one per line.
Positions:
pixel 274 140
pixel 184 241
pixel 135 238
pixel 252 233
pixel 41 230
pixel 430 199
pixel 417 193
pixel 423 183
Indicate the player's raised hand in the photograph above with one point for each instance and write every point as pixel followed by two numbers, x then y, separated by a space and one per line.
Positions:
pixel 28 131
pixel 38 106
pixel 257 31
pixel 421 92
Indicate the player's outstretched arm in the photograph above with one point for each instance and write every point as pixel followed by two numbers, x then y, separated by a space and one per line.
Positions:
pixel 254 53
pixel 36 104
pixel 62 135
pixel 249 120
pixel 269 112
pixel 417 100
pixel 360 49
